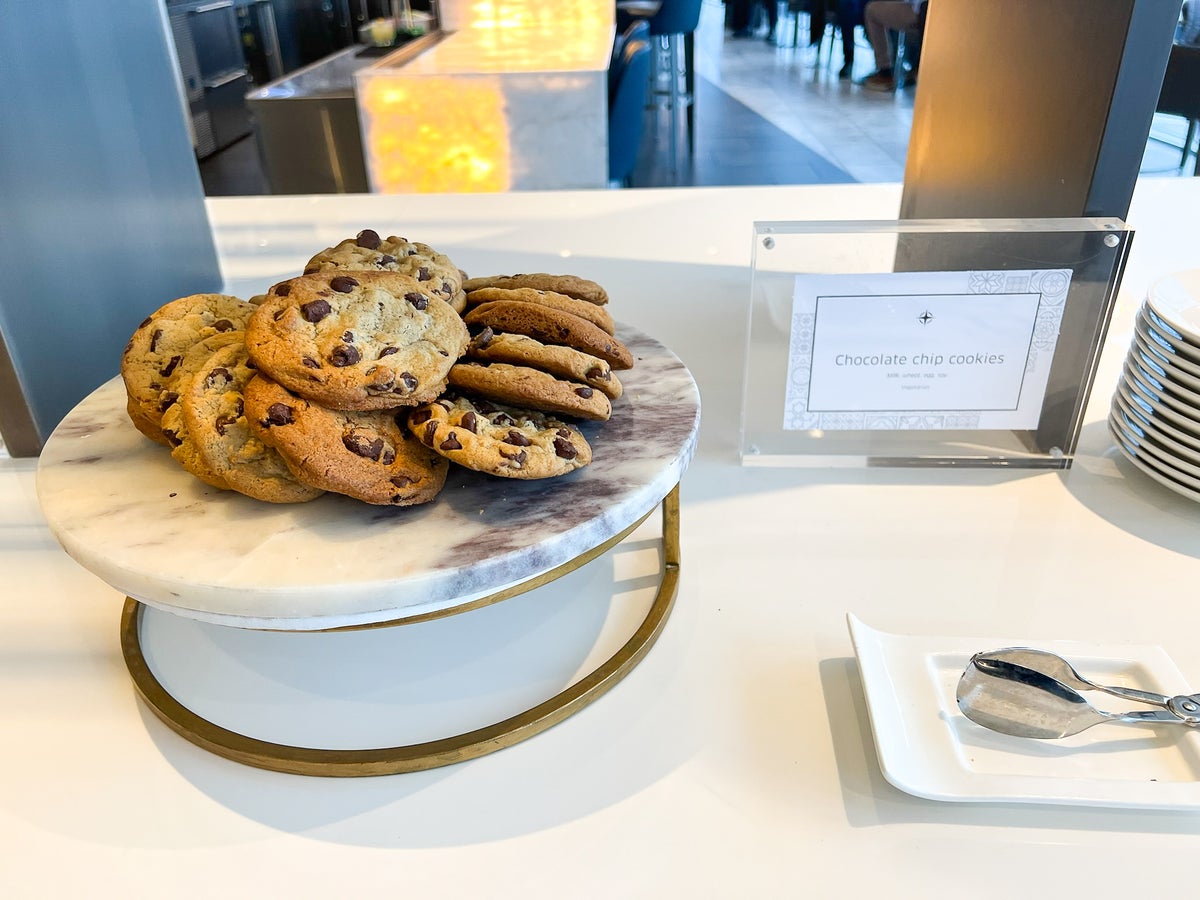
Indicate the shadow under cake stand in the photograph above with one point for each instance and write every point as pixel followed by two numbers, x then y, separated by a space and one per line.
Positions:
pixel 122 508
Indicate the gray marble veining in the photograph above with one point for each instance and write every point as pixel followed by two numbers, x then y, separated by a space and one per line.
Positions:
pixel 131 515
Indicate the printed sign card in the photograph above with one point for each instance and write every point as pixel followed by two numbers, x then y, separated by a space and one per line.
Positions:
pixel 922 350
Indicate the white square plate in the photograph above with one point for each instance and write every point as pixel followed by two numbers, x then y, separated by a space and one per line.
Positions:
pixel 928 748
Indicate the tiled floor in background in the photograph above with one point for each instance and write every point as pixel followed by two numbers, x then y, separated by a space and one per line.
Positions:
pixel 765 114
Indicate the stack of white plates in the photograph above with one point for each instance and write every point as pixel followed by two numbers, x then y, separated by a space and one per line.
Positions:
pixel 1155 414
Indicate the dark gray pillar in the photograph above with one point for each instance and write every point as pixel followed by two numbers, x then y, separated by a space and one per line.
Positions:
pixel 102 215
pixel 1034 108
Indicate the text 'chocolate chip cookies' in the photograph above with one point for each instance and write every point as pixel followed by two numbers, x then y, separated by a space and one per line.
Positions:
pixel 361 377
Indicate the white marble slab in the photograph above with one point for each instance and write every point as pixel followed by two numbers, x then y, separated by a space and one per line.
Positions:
pixel 131 515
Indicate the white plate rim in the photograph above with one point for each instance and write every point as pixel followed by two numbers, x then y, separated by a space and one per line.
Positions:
pixel 1154 469
pixel 1168 306
pixel 1146 330
pixel 1131 392
pixel 1135 375
pixel 1157 427
pixel 915 746
pixel 1165 382
pixel 1170 370
pixel 1158 449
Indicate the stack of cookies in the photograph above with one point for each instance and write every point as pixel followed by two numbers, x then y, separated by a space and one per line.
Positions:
pixel 361 377
pixel 544 342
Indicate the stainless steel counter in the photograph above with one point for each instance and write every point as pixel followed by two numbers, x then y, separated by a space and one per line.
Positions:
pixel 307 122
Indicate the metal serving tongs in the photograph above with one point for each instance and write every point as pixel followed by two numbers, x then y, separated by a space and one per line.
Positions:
pixel 1036 694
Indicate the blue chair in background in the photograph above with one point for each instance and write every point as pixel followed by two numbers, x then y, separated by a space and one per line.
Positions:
pixel 627 108
pixel 673 25
pixel 635 30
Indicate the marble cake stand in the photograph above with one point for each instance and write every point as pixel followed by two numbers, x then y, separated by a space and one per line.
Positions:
pixel 122 508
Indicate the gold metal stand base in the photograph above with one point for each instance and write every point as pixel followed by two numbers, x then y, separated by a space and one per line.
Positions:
pixel 429 754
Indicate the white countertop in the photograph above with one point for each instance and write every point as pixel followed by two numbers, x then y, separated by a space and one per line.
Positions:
pixel 737 759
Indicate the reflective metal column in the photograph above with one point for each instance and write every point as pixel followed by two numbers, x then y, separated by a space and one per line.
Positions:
pixel 102 215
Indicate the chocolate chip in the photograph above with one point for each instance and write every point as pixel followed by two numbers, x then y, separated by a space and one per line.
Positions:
pixel 451 443
pixel 146 321
pixel 239 408
pixel 423 273
pixel 431 428
pixel 343 284
pixel 279 414
pixel 386 260
pixel 446 289
pixel 385 382
pixel 484 407
pixel 519 457
pixel 166 370
pixel 402 481
pixel 219 374
pixel 417 416
pixel 517 439
pixel 222 325
pixel 279 314
pixel 468 421
pixel 369 239
pixel 166 401
pixel 315 310
pixel 501 418
pixel 348 337
pixel 282 289
pixel 363 445
pixel 562 432
pixel 409 379
pixel 599 373
pixel 312 270
pixel 172 438
pixel 584 392
pixel 154 338
pixel 344 355
pixel 310 362
pixel 420 301
pixel 388 351
pixel 223 422
pixel 388 456
pixel 564 449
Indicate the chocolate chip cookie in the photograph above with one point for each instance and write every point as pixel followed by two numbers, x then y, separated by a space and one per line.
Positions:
pixel 499 440
pixel 571 285
pixel 369 252
pixel 529 388
pixel 597 315
pixel 184 450
pixel 551 326
pixel 357 340
pixel 563 362
pixel 159 344
pixel 218 433
pixel 367 454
